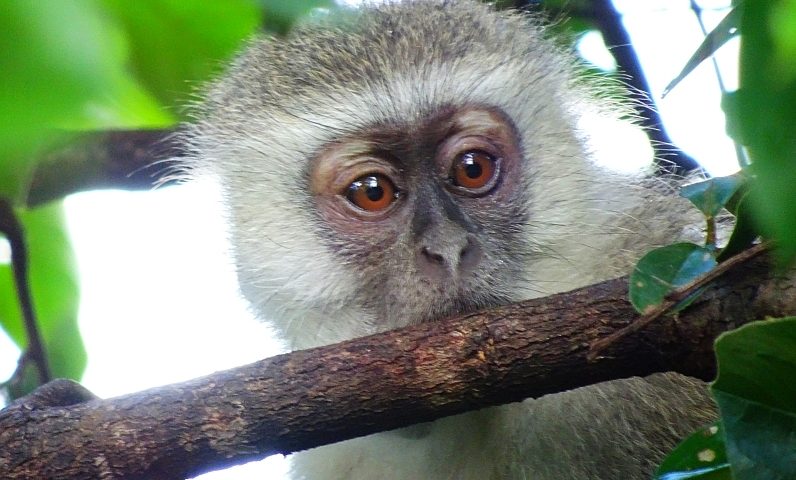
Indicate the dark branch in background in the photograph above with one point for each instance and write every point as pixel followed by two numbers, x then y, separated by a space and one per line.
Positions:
pixel 127 159
pixel 417 374
pixel 34 353
pixel 609 21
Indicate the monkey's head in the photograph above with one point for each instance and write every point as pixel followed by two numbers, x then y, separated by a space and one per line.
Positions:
pixel 409 162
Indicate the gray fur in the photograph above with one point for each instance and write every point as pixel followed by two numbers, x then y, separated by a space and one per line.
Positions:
pixel 285 102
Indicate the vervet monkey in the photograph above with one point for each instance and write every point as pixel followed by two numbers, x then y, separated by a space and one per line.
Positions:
pixel 421 159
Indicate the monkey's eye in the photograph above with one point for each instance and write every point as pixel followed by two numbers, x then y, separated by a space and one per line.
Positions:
pixel 372 192
pixel 474 170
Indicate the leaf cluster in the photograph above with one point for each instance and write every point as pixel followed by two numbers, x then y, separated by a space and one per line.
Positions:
pixel 98 65
pixel 754 438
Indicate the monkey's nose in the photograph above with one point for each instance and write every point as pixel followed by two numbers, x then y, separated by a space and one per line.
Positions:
pixel 433 257
pixel 442 260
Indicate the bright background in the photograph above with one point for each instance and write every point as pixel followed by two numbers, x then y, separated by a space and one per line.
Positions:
pixel 157 261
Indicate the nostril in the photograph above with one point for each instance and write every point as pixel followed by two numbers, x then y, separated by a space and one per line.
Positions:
pixel 470 255
pixel 433 257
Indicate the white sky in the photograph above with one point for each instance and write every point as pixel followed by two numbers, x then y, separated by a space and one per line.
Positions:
pixel 159 303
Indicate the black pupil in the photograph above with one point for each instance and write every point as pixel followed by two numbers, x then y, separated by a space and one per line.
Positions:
pixel 373 191
pixel 471 168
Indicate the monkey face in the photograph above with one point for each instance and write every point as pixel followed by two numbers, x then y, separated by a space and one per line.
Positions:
pixel 398 170
pixel 429 214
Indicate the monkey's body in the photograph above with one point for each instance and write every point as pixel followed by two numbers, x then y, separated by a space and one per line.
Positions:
pixel 425 159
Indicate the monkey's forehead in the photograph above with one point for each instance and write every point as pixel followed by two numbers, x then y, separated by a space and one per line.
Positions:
pixel 422 50
pixel 393 63
pixel 284 100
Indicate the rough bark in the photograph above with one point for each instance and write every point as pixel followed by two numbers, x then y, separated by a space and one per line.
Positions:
pixel 314 397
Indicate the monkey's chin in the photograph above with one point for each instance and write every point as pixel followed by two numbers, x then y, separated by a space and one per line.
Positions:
pixel 461 305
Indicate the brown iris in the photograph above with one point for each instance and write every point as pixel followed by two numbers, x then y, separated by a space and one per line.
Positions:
pixel 372 192
pixel 474 170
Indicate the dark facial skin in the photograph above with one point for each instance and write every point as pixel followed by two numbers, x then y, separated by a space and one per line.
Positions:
pixel 430 206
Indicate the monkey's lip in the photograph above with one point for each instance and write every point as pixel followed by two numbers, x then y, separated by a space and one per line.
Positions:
pixel 453 306
pixel 434 299
pixel 452 312
pixel 446 295
pixel 437 286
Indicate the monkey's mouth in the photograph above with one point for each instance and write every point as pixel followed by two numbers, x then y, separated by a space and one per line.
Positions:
pixel 426 303
pixel 415 297
pixel 460 303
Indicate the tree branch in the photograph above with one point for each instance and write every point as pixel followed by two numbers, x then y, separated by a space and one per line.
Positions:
pixel 11 228
pixel 394 379
pixel 609 21
pixel 128 159
pixel 677 296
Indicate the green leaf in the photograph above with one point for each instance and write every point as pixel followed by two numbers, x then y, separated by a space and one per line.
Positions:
pixel 711 195
pixel 744 233
pixel 664 269
pixel 174 45
pixel 63 66
pixel 761 115
pixel 783 36
pixel 280 16
pixel 54 287
pixel 724 31
pixel 757 398
pixel 700 456
pixel 51 62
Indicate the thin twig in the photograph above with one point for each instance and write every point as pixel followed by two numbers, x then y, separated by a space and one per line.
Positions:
pixel 12 229
pixel 676 297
